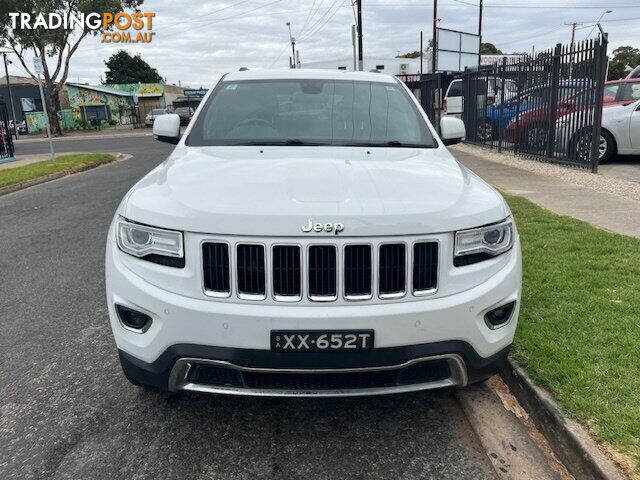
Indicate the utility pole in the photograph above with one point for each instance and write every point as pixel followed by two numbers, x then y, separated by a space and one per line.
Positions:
pixel 359 15
pixel 435 81
pixel 434 42
pixel 480 36
pixel 39 70
pixel 573 46
pixel 293 46
pixel 13 110
pixel 355 48
pixel 421 50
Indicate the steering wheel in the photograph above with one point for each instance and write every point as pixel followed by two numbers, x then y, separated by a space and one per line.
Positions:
pixel 254 121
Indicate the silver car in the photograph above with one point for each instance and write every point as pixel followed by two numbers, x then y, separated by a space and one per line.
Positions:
pixel 153 114
pixel 620 133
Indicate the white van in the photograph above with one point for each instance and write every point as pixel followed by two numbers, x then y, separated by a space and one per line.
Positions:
pixel 452 104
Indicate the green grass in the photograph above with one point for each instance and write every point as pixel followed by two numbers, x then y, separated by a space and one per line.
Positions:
pixel 11 176
pixel 579 328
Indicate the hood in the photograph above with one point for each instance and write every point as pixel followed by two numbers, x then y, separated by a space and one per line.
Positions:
pixel 275 191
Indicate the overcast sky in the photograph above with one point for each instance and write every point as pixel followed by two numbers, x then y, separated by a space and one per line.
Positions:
pixel 197 40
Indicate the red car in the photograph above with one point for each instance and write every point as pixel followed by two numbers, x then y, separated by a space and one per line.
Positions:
pixel 531 129
pixel 622 92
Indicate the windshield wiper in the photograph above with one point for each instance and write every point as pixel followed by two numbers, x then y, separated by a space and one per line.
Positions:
pixel 397 143
pixel 283 142
pixel 390 143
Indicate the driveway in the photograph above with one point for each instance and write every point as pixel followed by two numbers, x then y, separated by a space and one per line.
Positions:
pixel 67 411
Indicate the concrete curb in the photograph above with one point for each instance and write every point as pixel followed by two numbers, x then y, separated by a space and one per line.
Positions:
pixel 570 441
pixel 115 157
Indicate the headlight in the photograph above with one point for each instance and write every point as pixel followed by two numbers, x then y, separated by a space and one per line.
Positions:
pixel 153 244
pixel 478 244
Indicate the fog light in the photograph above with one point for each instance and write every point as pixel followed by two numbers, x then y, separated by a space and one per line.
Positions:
pixel 500 316
pixel 133 320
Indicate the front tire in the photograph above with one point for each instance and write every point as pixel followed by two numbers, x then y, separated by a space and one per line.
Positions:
pixel 535 138
pixel 581 148
pixel 486 131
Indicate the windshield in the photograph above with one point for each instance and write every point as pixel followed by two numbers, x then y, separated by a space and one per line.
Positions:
pixel 156 111
pixel 310 112
pixel 181 110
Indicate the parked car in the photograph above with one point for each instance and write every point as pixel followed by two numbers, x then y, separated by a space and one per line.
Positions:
pixel 153 114
pixel 622 92
pixel 620 134
pixel 22 127
pixel 185 114
pixel 311 235
pixel 452 103
pixel 534 99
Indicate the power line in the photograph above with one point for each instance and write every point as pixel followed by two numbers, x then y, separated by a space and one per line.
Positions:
pixel 507 5
pixel 313 28
pixel 218 20
pixel 306 22
pixel 321 25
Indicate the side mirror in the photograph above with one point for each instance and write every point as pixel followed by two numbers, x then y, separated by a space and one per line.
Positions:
pixel 166 128
pixel 452 130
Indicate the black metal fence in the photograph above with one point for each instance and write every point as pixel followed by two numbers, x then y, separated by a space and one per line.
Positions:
pixel 547 107
pixel 429 90
pixel 6 141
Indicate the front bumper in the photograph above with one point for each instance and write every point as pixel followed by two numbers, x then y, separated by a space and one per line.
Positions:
pixel 189 331
pixel 301 374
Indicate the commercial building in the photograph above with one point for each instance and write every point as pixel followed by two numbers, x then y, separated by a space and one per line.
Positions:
pixel 26 96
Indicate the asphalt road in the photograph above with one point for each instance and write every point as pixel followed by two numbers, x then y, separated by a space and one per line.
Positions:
pixel 67 412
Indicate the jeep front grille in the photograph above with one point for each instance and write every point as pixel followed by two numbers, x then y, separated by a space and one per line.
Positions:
pixel 351 270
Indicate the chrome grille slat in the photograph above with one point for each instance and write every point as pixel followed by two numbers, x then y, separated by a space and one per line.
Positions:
pixel 251 270
pixel 392 270
pixel 357 272
pixel 287 283
pixel 216 268
pixel 322 272
pixel 425 267
pixel 314 270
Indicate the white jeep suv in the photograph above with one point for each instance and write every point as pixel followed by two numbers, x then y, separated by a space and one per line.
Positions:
pixel 311 235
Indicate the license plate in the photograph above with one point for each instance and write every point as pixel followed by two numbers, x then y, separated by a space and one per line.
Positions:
pixel 331 340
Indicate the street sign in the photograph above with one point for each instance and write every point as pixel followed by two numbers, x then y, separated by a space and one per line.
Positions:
pixel 37 66
pixel 195 93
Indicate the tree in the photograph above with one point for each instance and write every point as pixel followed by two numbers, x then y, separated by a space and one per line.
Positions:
pixel 489 49
pixel 415 54
pixel 57 45
pixel 623 57
pixel 124 68
pixel 485 49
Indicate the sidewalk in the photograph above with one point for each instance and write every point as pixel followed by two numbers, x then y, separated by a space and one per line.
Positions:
pixel 81 134
pixel 605 210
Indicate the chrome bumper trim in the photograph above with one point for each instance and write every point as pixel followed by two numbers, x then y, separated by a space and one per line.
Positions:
pixel 180 371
